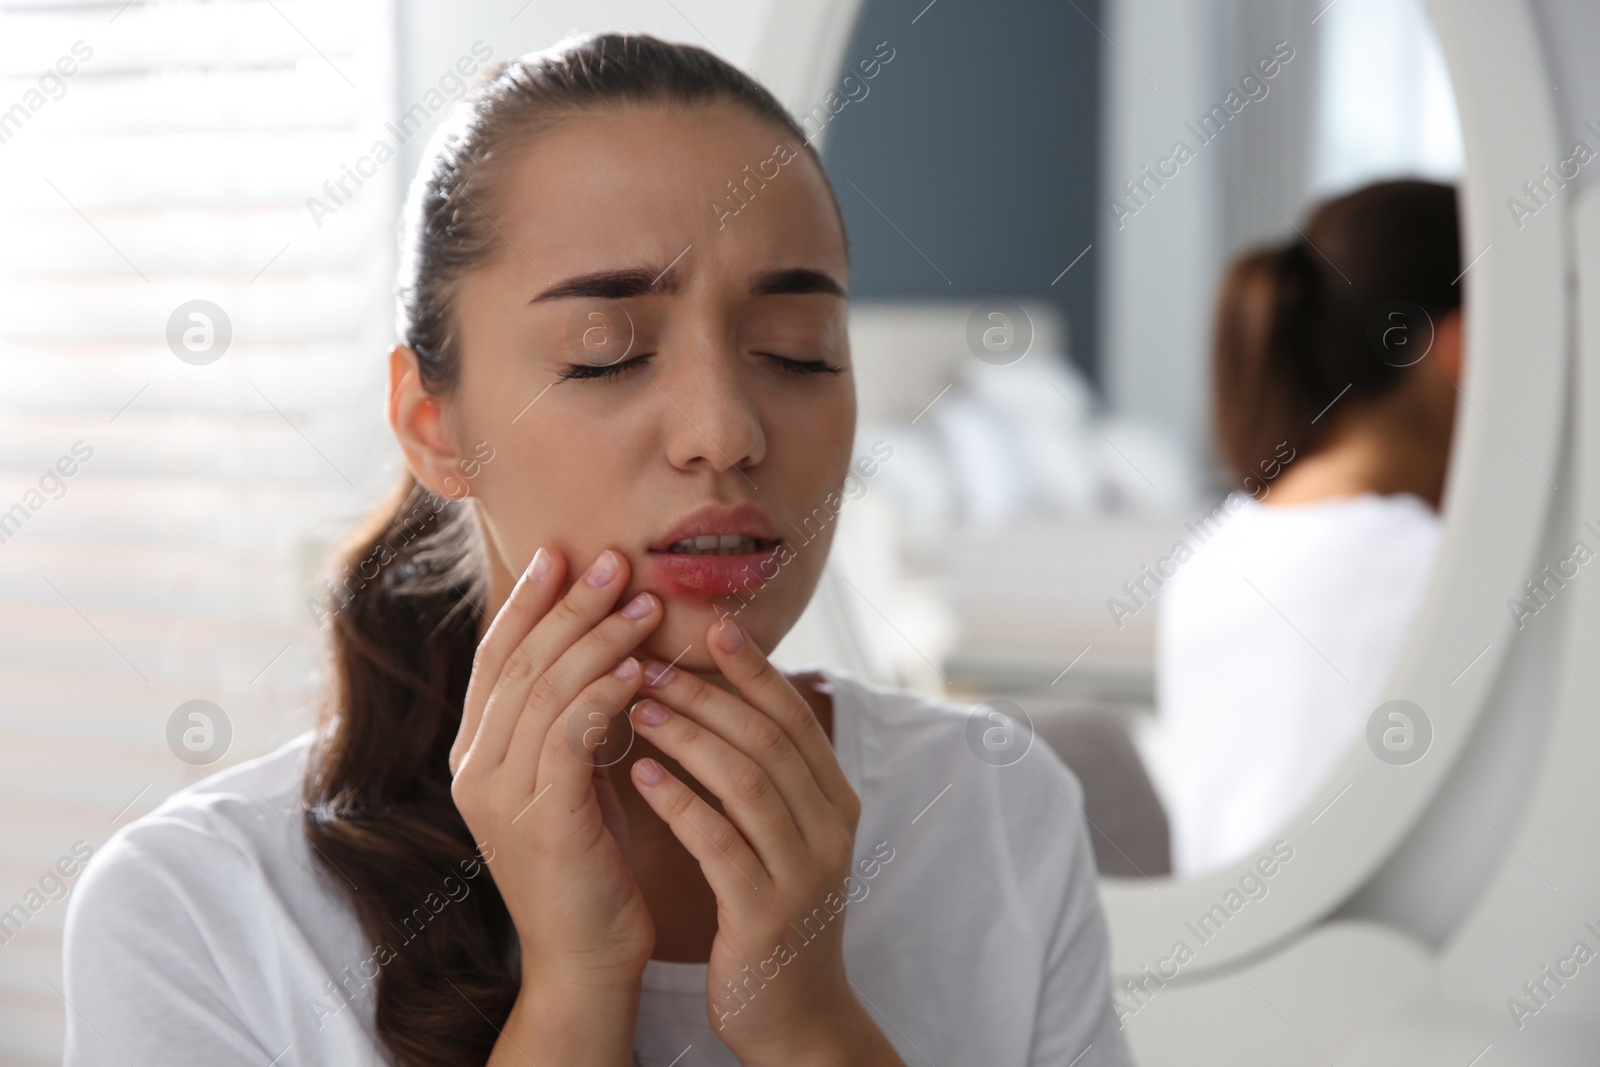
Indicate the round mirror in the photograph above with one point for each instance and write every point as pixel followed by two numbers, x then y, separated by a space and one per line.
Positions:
pixel 1208 469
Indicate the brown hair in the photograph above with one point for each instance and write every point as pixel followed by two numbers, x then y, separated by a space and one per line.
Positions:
pixel 379 815
pixel 1294 321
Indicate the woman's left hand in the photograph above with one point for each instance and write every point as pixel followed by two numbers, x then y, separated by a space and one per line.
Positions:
pixel 776 991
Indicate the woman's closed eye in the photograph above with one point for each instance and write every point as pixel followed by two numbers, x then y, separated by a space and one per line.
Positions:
pixel 802 366
pixel 587 371
pixel 590 371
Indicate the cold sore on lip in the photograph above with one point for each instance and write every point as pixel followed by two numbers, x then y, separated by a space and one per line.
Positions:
pixel 702 576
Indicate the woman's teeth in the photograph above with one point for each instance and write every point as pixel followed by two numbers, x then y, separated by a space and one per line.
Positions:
pixel 716 545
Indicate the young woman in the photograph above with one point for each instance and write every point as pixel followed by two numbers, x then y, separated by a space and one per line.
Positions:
pixel 1336 362
pixel 624 397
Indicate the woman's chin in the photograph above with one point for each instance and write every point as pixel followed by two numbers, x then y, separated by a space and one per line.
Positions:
pixel 681 637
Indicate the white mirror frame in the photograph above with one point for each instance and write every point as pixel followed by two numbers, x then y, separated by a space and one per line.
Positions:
pixel 1508 432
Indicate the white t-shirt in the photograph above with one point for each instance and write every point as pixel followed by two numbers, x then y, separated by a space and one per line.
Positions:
pixel 203 934
pixel 1262 691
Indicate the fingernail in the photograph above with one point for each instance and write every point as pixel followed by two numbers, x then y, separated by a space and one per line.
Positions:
pixel 658 674
pixel 730 637
pixel 603 569
pixel 539 566
pixel 650 771
pixel 650 713
pixel 638 607
pixel 628 668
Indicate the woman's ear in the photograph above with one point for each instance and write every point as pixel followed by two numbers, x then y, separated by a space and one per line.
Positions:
pixel 418 421
pixel 1447 345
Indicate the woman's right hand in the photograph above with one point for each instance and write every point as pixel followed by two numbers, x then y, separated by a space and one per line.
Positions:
pixel 547 676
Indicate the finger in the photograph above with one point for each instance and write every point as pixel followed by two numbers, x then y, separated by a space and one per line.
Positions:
pixel 569 618
pixel 757 735
pixel 564 681
pixel 749 796
pixel 599 648
pixel 763 687
pixel 725 858
pixel 761 684
pixel 584 736
pixel 530 598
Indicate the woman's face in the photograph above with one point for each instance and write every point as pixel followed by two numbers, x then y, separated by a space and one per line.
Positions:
pixel 653 359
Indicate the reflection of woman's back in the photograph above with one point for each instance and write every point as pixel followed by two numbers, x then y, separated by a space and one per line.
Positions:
pixel 1335 363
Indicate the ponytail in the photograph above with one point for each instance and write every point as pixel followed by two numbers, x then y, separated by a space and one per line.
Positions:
pixel 379 814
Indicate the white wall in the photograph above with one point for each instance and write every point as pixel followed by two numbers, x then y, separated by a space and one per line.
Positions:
pixel 1156 300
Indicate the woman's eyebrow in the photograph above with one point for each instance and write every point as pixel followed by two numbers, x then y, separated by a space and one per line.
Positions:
pixel 608 284
pixel 795 280
pixel 638 281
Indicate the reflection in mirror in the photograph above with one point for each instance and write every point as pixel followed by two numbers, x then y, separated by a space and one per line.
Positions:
pixel 1287 605
pixel 1080 338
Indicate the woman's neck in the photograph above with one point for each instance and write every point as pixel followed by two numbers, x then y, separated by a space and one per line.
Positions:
pixel 1398 445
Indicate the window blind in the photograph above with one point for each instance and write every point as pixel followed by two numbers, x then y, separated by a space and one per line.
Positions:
pixel 192 364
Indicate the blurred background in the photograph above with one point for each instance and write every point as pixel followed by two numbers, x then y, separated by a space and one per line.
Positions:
pixel 197 247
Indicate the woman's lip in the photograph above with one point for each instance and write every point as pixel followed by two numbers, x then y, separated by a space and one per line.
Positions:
pixel 695 576
pixel 719 519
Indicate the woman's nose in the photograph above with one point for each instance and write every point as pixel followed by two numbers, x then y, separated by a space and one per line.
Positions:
pixel 710 416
